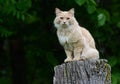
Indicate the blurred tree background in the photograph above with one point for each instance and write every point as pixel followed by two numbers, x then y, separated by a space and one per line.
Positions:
pixel 29 48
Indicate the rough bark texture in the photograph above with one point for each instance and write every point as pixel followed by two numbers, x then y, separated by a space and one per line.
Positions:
pixel 83 72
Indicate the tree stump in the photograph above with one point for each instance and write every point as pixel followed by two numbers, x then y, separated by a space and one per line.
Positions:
pixel 83 72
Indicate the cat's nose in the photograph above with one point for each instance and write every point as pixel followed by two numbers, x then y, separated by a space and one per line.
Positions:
pixel 64 22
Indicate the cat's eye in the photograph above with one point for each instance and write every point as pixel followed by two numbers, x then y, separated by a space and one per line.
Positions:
pixel 61 17
pixel 67 18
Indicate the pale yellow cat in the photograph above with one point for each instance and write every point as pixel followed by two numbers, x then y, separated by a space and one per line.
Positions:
pixel 76 40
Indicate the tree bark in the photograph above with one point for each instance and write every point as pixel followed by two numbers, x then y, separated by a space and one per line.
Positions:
pixel 83 72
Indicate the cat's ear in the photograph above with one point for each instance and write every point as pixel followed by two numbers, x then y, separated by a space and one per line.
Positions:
pixel 57 11
pixel 71 11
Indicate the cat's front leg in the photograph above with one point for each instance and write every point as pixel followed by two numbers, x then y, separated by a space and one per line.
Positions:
pixel 77 54
pixel 69 56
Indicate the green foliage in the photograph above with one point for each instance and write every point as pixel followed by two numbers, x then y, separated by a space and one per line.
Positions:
pixel 80 2
pixel 118 24
pixel 16 8
pixel 42 49
pixel 116 78
pixel 103 16
pixel 101 19
pixel 5 80
pixel 4 32
pixel 91 8
pixel 90 5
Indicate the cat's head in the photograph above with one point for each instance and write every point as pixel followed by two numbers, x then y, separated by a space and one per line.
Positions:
pixel 64 19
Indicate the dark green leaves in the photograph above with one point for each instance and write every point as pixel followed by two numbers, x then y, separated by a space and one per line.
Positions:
pixel 16 8
pixel 4 32
pixel 89 4
pixel 101 19
pixel 93 2
pixel 103 16
pixel 80 2
pixel 91 9
pixel 118 24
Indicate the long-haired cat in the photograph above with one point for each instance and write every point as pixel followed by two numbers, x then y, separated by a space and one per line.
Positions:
pixel 77 41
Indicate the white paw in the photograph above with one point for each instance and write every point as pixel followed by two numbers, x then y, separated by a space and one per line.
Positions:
pixel 68 60
pixel 80 58
pixel 76 58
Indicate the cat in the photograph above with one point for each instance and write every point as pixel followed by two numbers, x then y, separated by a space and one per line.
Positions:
pixel 77 41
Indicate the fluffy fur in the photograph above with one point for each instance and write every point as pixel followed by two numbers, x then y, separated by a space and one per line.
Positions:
pixel 77 41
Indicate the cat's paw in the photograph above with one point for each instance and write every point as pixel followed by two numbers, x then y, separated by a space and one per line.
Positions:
pixel 76 59
pixel 80 58
pixel 68 60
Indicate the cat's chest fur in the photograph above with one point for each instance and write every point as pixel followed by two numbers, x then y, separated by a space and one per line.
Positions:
pixel 65 37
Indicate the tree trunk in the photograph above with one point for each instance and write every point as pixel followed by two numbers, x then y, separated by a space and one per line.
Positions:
pixel 83 72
